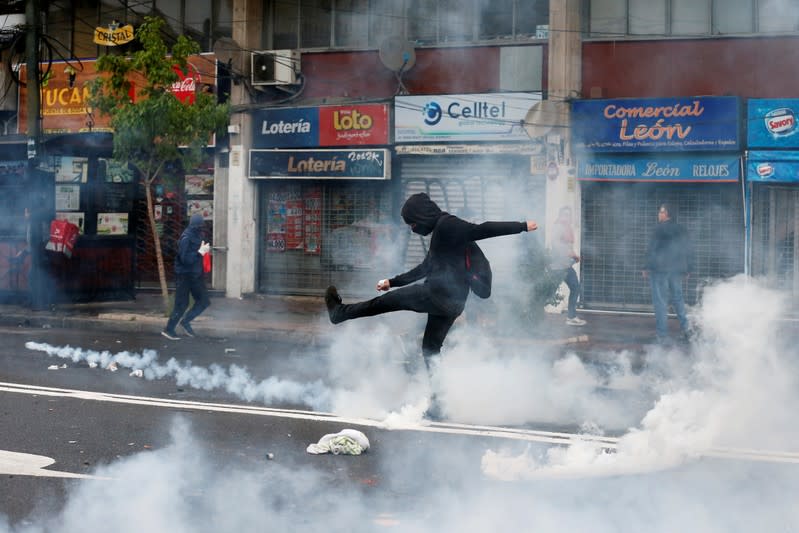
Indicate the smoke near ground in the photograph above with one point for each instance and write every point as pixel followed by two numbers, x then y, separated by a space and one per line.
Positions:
pixel 234 379
pixel 738 391
pixel 734 389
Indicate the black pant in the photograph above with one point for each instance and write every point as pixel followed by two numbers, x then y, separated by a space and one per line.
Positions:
pixel 410 298
pixel 185 284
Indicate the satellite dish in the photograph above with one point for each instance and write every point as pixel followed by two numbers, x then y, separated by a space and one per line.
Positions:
pixel 225 48
pixel 397 54
pixel 544 116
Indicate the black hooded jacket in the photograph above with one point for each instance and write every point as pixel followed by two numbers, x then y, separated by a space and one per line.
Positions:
pixel 670 249
pixel 444 266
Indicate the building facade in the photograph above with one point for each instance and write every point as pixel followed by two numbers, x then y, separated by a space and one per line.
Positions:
pixel 278 232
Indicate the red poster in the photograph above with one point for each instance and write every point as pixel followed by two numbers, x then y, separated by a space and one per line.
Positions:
pixel 353 125
pixel 294 225
pixel 312 221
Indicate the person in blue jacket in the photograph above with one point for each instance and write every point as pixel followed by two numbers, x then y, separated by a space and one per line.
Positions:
pixel 189 279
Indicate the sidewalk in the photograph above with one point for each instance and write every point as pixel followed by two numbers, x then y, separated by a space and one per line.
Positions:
pixel 301 319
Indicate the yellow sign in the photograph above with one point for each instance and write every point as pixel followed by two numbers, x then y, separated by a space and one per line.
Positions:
pixel 113 37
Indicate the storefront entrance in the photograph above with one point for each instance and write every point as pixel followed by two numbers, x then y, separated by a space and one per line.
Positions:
pixel 618 220
pixel 775 255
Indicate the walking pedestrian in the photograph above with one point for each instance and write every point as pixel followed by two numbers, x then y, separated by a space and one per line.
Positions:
pixel 189 279
pixel 445 290
pixel 563 259
pixel 669 260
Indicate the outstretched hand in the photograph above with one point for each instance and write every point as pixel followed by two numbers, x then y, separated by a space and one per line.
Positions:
pixel 531 225
pixel 383 285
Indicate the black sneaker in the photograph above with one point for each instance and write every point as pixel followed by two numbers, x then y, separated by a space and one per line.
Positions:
pixel 171 335
pixel 187 329
pixel 332 301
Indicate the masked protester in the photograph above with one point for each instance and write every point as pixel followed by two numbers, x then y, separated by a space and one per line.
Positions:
pixel 445 289
pixel 189 279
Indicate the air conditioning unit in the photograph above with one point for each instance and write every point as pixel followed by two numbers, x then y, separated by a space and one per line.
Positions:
pixel 275 67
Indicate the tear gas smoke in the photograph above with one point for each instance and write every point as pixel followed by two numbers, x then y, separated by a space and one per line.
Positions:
pixel 740 392
pixel 235 379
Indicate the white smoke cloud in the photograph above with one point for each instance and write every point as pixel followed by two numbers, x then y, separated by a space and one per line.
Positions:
pixel 687 465
pixel 741 392
pixel 234 379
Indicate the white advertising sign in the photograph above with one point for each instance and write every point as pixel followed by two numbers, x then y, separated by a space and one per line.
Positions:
pixel 462 117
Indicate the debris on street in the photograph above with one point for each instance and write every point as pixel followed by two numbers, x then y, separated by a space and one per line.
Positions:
pixel 345 442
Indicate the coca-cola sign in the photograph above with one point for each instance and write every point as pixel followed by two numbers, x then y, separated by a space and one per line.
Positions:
pixel 185 88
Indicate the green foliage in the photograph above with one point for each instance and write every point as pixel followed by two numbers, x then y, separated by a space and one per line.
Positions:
pixel 154 128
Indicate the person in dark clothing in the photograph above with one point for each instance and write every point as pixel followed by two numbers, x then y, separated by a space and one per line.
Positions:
pixel 189 279
pixel 669 260
pixel 446 287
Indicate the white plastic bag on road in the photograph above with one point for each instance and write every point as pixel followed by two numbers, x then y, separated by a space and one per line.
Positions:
pixel 345 442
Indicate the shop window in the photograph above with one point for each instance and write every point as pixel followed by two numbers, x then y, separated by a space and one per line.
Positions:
pixel 732 16
pixel 422 16
pixel 773 16
pixel 456 21
pixel 170 11
pixel 352 23
pixel 386 18
pixel 690 17
pixel 647 17
pixel 496 19
pixel 58 24
pixel 286 25
pixel 315 22
pixel 608 18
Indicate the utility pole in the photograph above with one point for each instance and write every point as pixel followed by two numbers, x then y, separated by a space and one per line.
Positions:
pixel 37 210
pixel 32 17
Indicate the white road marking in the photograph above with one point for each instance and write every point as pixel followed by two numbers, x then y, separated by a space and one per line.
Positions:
pixel 530 435
pixel 26 464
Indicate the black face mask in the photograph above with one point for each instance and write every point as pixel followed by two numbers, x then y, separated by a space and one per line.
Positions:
pixel 421 229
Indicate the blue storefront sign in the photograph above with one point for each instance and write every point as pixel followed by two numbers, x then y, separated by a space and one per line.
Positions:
pixel 772 123
pixel 711 169
pixel 772 166
pixel 320 164
pixel 700 123
pixel 282 128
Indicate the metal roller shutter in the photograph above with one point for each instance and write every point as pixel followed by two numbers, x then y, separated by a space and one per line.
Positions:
pixel 775 255
pixel 477 188
pixel 618 220
pixel 338 242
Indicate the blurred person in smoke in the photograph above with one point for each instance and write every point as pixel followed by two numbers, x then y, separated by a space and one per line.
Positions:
pixel 563 259
pixel 446 287
pixel 669 260
pixel 189 279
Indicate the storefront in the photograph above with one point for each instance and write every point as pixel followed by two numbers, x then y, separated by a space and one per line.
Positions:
pixel 325 197
pixel 114 253
pixel 472 155
pixel 772 174
pixel 633 155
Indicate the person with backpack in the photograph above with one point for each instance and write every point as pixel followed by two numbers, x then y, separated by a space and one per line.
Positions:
pixel 447 280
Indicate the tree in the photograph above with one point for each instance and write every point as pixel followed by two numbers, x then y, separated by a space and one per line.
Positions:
pixel 152 127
